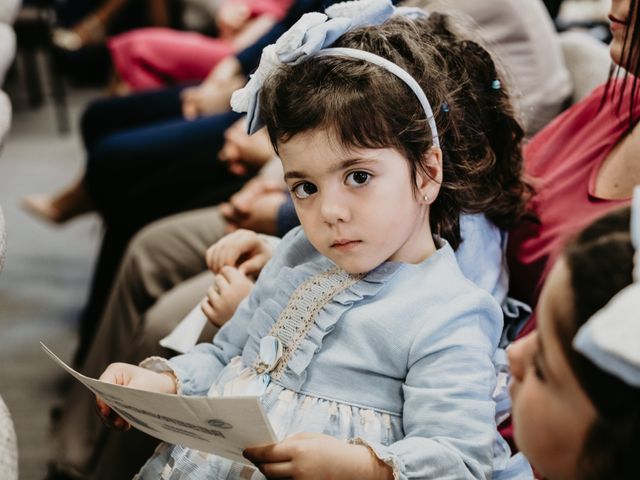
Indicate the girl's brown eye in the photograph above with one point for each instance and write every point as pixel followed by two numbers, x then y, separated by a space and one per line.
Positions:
pixel 356 179
pixel 304 190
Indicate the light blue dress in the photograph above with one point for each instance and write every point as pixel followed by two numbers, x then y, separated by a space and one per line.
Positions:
pixel 401 359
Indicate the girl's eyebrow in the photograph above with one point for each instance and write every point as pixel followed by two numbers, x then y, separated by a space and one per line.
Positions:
pixel 350 162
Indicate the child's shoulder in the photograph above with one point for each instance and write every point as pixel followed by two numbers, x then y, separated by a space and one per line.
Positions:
pixel 439 287
pixel 458 309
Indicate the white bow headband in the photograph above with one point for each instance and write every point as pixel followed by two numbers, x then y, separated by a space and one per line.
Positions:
pixel 312 35
pixel 611 337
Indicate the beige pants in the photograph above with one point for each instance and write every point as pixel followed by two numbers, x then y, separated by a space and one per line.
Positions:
pixel 162 277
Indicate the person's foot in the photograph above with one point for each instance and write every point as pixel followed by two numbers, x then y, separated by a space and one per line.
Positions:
pixel 62 206
pixel 43 207
pixel 90 31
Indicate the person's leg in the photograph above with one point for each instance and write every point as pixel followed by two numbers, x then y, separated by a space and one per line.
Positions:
pixel 158 259
pixel 136 177
pixel 165 314
pixel 121 455
pixel 106 116
pixel 101 119
pixel 139 175
pixel 153 57
pixel 180 238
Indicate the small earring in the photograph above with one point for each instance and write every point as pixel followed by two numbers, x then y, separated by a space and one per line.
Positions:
pixel 426 198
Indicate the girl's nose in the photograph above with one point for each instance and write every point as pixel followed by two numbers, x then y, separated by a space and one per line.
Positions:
pixel 519 353
pixel 334 208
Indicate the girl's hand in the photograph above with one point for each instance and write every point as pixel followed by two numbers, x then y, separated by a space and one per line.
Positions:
pixel 242 249
pixel 307 456
pixel 229 288
pixel 135 377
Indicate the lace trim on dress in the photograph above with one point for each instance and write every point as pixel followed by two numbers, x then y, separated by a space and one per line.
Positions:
pixel 387 460
pixel 297 318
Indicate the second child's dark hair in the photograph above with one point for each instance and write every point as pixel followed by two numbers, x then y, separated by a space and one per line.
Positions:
pixel 365 106
pixel 600 262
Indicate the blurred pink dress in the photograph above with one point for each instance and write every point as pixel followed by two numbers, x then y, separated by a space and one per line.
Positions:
pixel 153 57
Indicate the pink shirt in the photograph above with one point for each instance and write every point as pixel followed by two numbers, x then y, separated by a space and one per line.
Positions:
pixel 564 160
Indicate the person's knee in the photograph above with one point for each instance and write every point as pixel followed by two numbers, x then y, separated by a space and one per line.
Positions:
pixel 157 325
pixel 138 263
pixel 92 121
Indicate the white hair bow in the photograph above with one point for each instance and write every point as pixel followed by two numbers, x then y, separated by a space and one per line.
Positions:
pixel 312 33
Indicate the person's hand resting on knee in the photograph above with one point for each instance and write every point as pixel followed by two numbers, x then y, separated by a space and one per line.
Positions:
pixel 243 152
pixel 212 96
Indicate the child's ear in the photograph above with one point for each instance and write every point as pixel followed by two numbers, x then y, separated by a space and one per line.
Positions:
pixel 429 178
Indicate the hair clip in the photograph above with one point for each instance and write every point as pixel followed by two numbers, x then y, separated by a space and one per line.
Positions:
pixel 445 107
pixel 496 85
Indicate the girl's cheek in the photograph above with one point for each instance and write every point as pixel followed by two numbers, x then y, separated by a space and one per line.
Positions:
pixel 514 386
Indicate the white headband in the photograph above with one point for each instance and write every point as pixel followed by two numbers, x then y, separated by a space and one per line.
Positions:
pixel 311 36
pixel 398 72
pixel 611 337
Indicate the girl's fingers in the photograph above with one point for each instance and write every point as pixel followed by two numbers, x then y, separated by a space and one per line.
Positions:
pixel 218 254
pixel 121 424
pixel 221 285
pixel 110 418
pixel 103 408
pixel 209 257
pixel 212 295
pixel 274 453
pixel 207 309
pixel 232 275
pixel 253 265
pixel 276 470
pixel 230 256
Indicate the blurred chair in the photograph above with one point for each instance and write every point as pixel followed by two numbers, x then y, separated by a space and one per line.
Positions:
pixel 33 26
pixel 8 445
pixel 8 13
pixel 587 60
pixel 8 442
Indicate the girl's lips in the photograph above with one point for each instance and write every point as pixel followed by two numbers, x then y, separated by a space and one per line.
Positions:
pixel 616 23
pixel 345 244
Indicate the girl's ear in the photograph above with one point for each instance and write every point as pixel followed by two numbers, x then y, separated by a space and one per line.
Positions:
pixel 429 177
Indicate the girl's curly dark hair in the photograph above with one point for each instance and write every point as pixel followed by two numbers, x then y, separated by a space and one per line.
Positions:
pixel 366 106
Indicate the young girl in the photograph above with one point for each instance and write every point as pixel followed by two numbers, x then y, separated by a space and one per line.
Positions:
pixel 576 387
pixel 362 326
